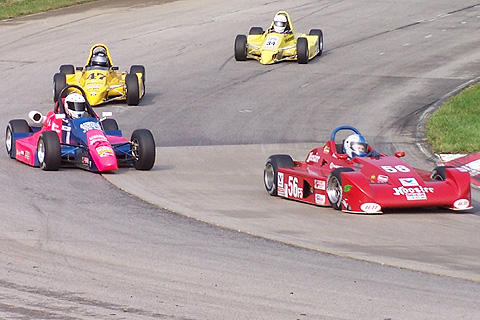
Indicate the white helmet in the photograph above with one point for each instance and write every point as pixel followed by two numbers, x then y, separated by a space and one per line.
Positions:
pixel 75 105
pixel 280 23
pixel 355 145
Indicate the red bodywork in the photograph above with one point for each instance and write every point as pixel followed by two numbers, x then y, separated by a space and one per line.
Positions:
pixel 374 184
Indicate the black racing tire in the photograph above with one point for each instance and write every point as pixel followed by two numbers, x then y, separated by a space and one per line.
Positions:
pixel 241 47
pixel 319 33
pixel 67 69
pixel 302 50
pixel 335 188
pixel 138 69
pixel 48 151
pixel 133 90
pixel 143 149
pixel 14 126
pixel 59 82
pixel 270 171
pixel 256 31
pixel 439 173
pixel 109 124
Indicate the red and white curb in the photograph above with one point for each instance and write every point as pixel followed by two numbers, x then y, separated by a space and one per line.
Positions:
pixel 470 162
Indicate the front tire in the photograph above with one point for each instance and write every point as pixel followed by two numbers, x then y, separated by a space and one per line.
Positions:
pixel 59 82
pixel 48 151
pixel 143 149
pixel 241 47
pixel 139 69
pixel 319 34
pixel 14 126
pixel 133 90
pixel 270 172
pixel 335 188
pixel 302 50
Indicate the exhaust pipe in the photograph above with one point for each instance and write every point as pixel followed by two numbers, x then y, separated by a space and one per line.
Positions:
pixel 36 117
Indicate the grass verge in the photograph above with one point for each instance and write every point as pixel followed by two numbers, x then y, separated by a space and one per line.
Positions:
pixel 455 126
pixel 15 8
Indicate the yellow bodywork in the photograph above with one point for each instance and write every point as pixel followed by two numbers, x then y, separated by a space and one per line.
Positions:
pixel 271 47
pixel 102 85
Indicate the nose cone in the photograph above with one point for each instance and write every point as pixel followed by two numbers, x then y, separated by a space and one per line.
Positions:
pixel 268 57
pixel 101 151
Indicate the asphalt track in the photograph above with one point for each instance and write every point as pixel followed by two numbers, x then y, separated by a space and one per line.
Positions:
pixel 73 246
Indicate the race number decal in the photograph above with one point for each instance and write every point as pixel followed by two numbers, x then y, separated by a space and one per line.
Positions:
pixel 395 169
pixel 270 43
pixel 292 190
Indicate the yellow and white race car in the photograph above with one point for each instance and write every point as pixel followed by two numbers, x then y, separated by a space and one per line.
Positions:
pixel 279 43
pixel 101 80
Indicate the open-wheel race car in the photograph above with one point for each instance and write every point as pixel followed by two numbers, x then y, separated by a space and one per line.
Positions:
pixel 74 135
pixel 350 176
pixel 278 43
pixel 101 80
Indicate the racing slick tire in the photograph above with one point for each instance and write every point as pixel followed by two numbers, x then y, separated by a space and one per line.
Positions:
pixel 139 69
pixel 109 125
pixel 439 173
pixel 143 149
pixel 302 50
pixel 270 172
pixel 59 82
pixel 334 187
pixel 14 126
pixel 48 151
pixel 241 47
pixel 256 31
pixel 67 69
pixel 319 33
pixel 133 90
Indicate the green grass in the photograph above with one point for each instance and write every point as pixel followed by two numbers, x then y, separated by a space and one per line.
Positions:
pixel 455 126
pixel 15 8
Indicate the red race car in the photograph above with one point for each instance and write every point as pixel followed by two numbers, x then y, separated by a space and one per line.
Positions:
pixel 350 176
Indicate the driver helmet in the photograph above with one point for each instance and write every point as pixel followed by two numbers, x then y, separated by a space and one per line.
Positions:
pixel 75 105
pixel 280 23
pixel 355 145
pixel 100 59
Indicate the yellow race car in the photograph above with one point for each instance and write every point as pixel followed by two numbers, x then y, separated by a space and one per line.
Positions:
pixel 278 43
pixel 101 80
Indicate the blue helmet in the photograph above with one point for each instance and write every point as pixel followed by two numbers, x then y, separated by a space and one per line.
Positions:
pixel 355 145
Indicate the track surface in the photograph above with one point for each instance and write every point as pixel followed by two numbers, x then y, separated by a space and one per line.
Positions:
pixel 73 246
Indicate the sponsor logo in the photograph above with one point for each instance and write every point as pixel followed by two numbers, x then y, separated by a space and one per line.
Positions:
pixel 90 125
pixel 326 149
pixel 333 165
pixel 85 160
pixel 281 189
pixel 97 138
pixel 413 193
pixel 347 188
pixel 319 184
pixel 320 199
pixel 408 182
pixel 382 179
pixel 66 128
pixel 104 151
pixel 461 204
pixel 313 157
pixel 370 207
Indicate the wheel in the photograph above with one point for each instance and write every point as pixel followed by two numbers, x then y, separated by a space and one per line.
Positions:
pixel 14 126
pixel 48 151
pixel 439 173
pixel 302 50
pixel 59 82
pixel 256 31
pixel 270 172
pixel 133 90
pixel 241 47
pixel 139 69
pixel 319 33
pixel 67 69
pixel 143 149
pixel 110 124
pixel 334 187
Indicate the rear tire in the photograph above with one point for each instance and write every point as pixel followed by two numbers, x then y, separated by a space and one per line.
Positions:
pixel 335 188
pixel 256 31
pixel 143 149
pixel 139 69
pixel 270 172
pixel 14 126
pixel 302 50
pixel 131 81
pixel 48 151
pixel 439 173
pixel 319 33
pixel 59 82
pixel 67 69
pixel 241 47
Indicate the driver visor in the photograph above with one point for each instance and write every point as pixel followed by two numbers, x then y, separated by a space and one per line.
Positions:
pixel 76 106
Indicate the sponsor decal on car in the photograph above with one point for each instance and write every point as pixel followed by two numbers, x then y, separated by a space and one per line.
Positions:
pixel 319 184
pixel 382 178
pixel 461 204
pixel 408 182
pixel 85 160
pixel 320 199
pixel 347 188
pixel 326 149
pixel 333 166
pixel 313 157
pixel 370 207
pixel 97 138
pixel 104 151
pixel 90 125
pixel 413 193
pixel 281 188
